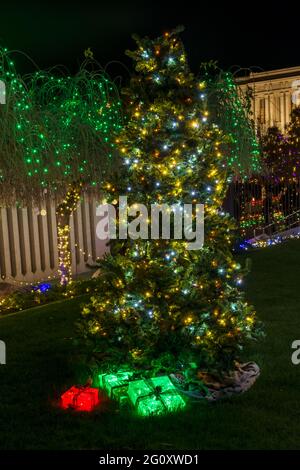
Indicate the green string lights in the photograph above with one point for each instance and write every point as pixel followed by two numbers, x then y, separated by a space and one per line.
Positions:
pixel 232 112
pixel 55 130
pixel 57 138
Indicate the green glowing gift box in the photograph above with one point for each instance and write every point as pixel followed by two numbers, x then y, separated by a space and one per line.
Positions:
pixel 155 396
pixel 116 385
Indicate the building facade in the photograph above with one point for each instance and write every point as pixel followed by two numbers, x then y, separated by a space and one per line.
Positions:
pixel 274 95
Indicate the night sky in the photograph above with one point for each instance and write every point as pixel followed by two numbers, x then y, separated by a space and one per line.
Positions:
pixel 249 35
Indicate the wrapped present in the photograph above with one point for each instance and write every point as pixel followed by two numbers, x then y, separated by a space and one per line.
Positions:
pixel 80 398
pixel 155 396
pixel 116 385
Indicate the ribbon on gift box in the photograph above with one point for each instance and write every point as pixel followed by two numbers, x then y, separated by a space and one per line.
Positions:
pixel 80 397
pixel 123 376
pixel 159 393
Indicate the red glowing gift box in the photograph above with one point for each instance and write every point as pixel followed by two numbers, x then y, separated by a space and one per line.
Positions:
pixel 80 398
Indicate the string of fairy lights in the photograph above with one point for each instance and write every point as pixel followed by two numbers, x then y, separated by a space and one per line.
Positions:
pixel 232 111
pixel 56 131
pixel 273 196
pixel 174 151
pixel 54 128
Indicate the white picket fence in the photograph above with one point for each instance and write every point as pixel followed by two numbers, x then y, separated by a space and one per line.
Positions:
pixel 28 241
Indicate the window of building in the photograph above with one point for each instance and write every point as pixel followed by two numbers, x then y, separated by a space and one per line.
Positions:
pixel 262 111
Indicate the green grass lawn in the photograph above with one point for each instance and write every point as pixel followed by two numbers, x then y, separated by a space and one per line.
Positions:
pixel 40 364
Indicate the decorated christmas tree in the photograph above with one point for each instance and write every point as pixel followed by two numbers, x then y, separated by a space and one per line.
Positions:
pixel 159 301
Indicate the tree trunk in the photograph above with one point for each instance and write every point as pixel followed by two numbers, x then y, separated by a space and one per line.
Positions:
pixel 63 213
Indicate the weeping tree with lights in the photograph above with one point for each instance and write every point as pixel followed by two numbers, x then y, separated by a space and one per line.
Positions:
pixel 57 139
pixel 231 109
pixel 158 301
pixel 87 111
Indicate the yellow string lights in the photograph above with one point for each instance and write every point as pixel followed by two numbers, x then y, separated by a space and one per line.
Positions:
pixel 157 297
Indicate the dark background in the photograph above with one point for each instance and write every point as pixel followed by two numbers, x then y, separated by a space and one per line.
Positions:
pixel 249 34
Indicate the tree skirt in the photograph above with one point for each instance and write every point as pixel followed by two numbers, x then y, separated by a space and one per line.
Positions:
pixel 213 389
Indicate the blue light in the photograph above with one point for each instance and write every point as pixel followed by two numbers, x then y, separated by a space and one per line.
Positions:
pixel 43 287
